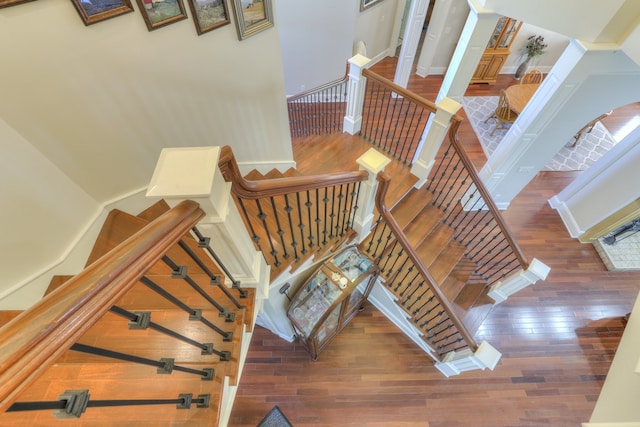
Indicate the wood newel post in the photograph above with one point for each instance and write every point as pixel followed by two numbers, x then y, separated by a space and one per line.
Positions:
pixel 355 94
pixel 193 173
pixel 432 137
pixel 373 162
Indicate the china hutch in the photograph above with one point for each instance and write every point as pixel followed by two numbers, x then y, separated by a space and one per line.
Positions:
pixel 497 51
pixel 330 298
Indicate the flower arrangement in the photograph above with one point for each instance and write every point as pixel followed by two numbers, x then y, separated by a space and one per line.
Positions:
pixel 535 46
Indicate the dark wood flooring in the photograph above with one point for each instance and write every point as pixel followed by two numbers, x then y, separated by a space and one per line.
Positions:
pixel 557 337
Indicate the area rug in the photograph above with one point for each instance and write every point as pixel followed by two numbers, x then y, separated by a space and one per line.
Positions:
pixel 275 418
pixel 588 150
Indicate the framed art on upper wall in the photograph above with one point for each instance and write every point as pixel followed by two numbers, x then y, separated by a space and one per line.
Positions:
pixel 208 14
pixel 252 16
pixel 365 4
pixel 92 11
pixel 159 13
pixel 7 3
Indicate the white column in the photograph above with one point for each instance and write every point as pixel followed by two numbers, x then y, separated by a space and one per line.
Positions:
pixel 471 46
pixel 192 173
pixel 439 27
pixel 588 199
pixel 505 288
pixel 410 40
pixel 355 94
pixel 432 138
pixel 373 162
pixel 563 103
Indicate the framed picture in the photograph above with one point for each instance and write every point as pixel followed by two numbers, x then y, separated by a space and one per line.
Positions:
pixel 365 4
pixel 158 13
pixel 252 16
pixel 92 11
pixel 7 3
pixel 208 14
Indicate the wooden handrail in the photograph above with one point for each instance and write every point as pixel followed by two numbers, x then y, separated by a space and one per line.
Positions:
pixel 383 181
pixel 36 338
pixel 400 90
pixel 486 196
pixel 278 186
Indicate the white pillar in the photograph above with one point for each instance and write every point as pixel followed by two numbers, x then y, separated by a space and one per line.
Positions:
pixel 588 200
pixel 473 41
pixel 355 94
pixel 439 27
pixel 432 138
pixel 563 103
pixel 410 40
pixel 373 162
pixel 192 173
pixel 505 288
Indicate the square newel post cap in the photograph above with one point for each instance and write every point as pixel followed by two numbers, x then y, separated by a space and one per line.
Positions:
pixel 373 161
pixel 185 172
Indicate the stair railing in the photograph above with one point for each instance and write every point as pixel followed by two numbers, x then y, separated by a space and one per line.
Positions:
pixel 470 210
pixel 393 118
pixel 434 315
pixel 41 335
pixel 319 111
pixel 290 217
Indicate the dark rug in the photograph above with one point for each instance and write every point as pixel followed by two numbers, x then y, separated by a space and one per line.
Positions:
pixel 275 418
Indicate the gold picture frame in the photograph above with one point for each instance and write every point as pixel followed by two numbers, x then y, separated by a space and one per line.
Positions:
pixel 209 14
pixel 252 16
pixel 92 11
pixel 159 13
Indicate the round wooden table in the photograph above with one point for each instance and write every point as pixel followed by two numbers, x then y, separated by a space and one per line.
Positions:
pixel 518 95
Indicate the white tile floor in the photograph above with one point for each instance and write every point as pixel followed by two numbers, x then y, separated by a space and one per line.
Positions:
pixel 624 255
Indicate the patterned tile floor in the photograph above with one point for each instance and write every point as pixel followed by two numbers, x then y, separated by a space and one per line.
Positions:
pixel 624 255
pixel 589 149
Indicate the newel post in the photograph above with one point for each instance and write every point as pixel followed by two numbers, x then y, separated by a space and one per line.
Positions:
pixel 435 132
pixel 504 289
pixel 373 162
pixel 192 173
pixel 355 94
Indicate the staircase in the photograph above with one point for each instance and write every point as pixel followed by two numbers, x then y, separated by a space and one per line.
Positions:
pixel 181 365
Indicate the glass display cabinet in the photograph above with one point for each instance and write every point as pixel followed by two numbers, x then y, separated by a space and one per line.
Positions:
pixel 330 298
pixel 497 51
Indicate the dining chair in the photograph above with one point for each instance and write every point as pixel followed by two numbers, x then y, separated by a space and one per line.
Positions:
pixel 503 115
pixel 589 127
pixel 531 77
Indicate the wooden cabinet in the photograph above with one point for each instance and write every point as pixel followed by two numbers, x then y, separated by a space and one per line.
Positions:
pixel 330 298
pixel 497 51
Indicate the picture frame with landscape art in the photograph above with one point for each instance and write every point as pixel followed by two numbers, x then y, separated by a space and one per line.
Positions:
pixel 208 14
pixel 365 4
pixel 92 11
pixel 7 3
pixel 252 16
pixel 158 13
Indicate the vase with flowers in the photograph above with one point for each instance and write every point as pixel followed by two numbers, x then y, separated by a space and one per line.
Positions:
pixel 535 46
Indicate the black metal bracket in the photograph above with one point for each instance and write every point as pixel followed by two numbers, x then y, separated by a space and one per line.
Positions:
pixel 225 356
pixel 168 366
pixel 203 242
pixel 228 316
pixel 187 398
pixel 208 349
pixel 208 374
pixel 142 321
pixel 204 400
pixel 196 315
pixel 77 401
pixel 228 336
pixel 180 273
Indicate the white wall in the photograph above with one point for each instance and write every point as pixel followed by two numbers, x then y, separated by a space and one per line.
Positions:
pixel 557 44
pixel 85 111
pixel 374 26
pixel 316 40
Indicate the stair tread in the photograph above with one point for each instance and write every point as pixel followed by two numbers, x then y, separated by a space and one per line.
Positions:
pixel 56 282
pixel 7 315
pixel 410 206
pixel 422 224
pixel 117 227
pixel 154 211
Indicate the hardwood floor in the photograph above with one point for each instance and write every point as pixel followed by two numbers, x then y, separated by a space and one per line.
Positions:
pixel 557 337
